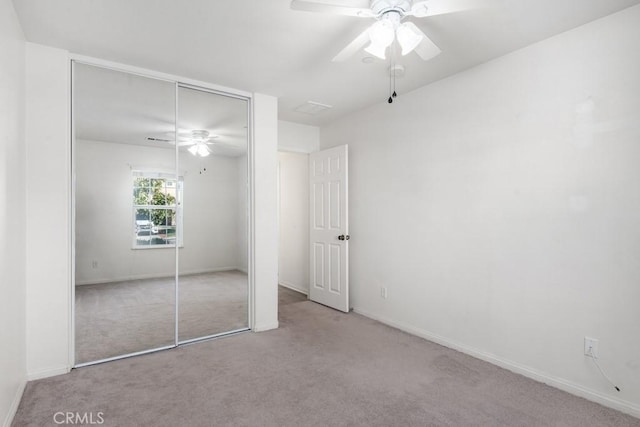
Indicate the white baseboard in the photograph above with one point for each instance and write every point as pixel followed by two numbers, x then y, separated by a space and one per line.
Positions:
pixel 152 276
pixel 14 405
pixel 294 287
pixel 557 382
pixel 32 376
pixel 266 327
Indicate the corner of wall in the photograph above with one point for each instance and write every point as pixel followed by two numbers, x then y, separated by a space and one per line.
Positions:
pixel 48 201
pixel 13 374
pixel 265 212
pixel 298 138
pixel 13 408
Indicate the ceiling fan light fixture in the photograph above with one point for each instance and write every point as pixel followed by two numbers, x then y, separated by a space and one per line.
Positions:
pixel 376 50
pixel 420 10
pixel 193 149
pixel 408 39
pixel 203 151
pixel 381 35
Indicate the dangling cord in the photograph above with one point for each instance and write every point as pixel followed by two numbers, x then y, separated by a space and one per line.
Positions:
pixel 390 100
pixel 393 49
pixel 594 358
pixel 392 74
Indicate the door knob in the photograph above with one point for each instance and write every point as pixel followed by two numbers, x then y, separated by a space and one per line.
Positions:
pixel 343 237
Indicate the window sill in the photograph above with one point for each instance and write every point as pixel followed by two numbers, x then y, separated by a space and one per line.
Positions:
pixel 145 248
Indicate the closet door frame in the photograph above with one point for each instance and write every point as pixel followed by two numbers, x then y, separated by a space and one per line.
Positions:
pixel 178 82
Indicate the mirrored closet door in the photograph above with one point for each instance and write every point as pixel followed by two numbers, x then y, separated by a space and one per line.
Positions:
pixel 160 214
pixel 212 156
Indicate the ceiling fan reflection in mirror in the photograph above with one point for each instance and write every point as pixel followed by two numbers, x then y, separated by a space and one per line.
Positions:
pixel 197 140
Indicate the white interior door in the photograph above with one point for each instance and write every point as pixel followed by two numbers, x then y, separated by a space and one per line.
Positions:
pixel 329 224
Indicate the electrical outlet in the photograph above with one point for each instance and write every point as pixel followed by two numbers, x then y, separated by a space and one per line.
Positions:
pixel 383 292
pixel 590 347
pixel 94 264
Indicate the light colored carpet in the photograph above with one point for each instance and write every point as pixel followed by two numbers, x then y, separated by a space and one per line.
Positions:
pixel 289 296
pixel 321 368
pixel 113 319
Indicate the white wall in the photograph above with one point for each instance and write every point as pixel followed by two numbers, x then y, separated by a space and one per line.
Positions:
pixel 104 213
pixel 243 214
pixel 298 138
pixel 293 251
pixel 295 141
pixel 265 207
pixel 12 212
pixel 48 211
pixel 500 207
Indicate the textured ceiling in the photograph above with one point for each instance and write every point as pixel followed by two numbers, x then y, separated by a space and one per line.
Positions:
pixel 263 46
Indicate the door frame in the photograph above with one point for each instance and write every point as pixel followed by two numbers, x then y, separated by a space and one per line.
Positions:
pixel 178 82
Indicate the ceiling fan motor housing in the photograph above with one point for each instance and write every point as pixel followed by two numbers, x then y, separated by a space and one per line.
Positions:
pixel 199 135
pixel 380 7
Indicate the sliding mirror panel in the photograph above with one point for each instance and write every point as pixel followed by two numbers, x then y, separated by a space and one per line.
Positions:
pixel 212 161
pixel 127 191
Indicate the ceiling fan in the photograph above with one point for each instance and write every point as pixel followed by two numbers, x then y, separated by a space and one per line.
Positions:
pixel 389 25
pixel 198 141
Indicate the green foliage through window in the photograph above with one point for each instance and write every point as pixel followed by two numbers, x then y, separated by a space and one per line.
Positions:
pixel 155 208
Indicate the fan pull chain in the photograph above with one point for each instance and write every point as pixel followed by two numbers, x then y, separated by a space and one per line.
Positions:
pixel 394 71
pixel 392 74
pixel 390 100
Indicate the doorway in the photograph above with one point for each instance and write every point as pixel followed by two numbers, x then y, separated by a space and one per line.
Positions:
pixel 161 213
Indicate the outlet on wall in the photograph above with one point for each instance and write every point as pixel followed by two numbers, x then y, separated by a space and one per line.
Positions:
pixel 383 292
pixel 590 347
pixel 94 264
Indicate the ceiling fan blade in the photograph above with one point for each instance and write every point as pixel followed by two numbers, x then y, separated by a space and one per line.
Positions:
pixel 310 6
pixel 352 47
pixel 227 146
pixel 156 139
pixel 421 9
pixel 426 49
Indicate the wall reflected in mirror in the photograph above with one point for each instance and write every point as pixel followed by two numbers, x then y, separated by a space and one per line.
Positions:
pixel 125 293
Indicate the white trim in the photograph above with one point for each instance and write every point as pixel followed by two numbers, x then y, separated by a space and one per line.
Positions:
pixel 14 404
pixel 38 375
pixel 71 357
pixel 146 248
pixel 266 327
pixel 145 72
pixel 251 217
pixel 213 336
pixel 125 356
pixel 294 287
pixel 155 276
pixel 296 150
pixel 179 215
pixel 557 382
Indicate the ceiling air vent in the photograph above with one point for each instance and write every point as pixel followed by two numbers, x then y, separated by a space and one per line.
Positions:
pixel 312 108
